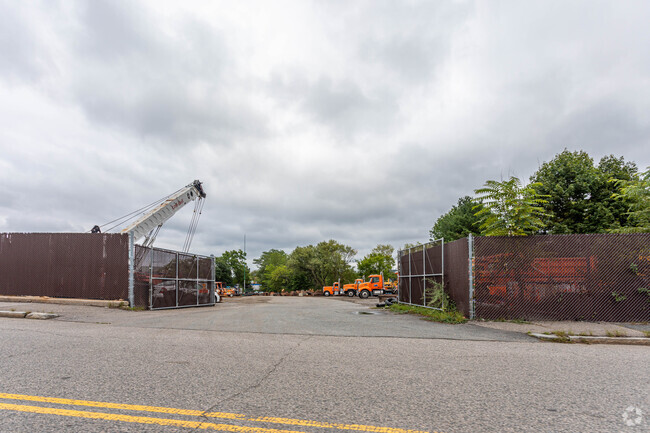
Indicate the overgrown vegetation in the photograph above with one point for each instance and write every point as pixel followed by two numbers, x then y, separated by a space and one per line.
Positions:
pixel 449 316
pixel 509 208
pixel 436 297
pixel 569 194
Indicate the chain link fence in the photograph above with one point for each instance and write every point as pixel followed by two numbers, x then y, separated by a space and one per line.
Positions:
pixel 171 279
pixel 98 266
pixel 64 265
pixel 598 277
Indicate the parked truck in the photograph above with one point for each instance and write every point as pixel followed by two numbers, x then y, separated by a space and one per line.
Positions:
pixel 374 286
pixel 332 290
pixel 352 289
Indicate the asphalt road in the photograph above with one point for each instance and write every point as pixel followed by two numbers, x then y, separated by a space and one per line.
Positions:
pixel 307 365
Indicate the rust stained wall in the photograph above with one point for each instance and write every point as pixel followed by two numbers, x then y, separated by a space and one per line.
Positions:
pixel 66 265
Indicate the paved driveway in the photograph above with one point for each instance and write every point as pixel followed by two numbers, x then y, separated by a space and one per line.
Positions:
pixel 280 365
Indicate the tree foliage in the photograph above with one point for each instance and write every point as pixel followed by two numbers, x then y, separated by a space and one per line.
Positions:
pixel 509 208
pixel 231 267
pixel 636 193
pixel 379 261
pixel 267 264
pixel 322 264
pixel 459 222
pixel 580 195
pixel 308 267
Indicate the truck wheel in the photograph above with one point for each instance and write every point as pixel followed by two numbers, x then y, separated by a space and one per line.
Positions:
pixel 326 293
pixel 364 294
pixel 350 293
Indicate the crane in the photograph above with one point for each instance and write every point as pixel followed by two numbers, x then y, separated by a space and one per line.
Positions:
pixel 157 213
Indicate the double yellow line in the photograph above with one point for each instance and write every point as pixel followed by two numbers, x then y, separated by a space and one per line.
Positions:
pixel 175 411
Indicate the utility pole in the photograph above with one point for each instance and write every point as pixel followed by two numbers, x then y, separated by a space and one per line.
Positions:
pixel 244 263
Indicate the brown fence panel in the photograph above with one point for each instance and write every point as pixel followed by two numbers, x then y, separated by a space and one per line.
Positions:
pixel 457 274
pixel 65 265
pixel 599 277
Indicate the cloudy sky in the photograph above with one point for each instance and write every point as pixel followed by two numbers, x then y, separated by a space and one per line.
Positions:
pixel 360 121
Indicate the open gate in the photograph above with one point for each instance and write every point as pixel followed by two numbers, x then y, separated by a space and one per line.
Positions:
pixel 171 279
pixel 421 272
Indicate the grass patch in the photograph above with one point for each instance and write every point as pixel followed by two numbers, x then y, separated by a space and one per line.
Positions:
pixel 518 321
pixel 453 317
pixel 562 336
pixel 616 334
pixel 646 333
pixel 126 307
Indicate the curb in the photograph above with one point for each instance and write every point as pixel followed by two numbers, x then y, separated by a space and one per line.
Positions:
pixel 640 341
pixel 66 301
pixel 27 315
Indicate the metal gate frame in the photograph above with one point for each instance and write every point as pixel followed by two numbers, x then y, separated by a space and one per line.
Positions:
pixel 198 282
pixel 410 276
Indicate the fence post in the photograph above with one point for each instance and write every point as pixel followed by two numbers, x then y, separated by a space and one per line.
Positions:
pixel 131 270
pixel 213 293
pixel 470 267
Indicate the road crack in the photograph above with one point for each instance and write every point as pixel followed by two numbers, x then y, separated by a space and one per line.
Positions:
pixel 258 383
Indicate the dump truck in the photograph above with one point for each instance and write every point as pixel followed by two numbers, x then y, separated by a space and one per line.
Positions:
pixel 374 286
pixel 332 290
pixel 352 289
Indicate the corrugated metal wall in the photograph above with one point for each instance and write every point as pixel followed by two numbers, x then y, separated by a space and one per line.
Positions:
pixel 65 265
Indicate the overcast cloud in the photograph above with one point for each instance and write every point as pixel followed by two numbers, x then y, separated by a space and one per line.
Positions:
pixel 360 121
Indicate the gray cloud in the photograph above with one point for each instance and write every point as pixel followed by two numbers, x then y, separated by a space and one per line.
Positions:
pixel 361 122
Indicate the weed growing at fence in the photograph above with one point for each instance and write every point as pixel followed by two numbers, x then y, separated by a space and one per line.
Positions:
pixel 618 297
pixel 437 297
pixel 449 316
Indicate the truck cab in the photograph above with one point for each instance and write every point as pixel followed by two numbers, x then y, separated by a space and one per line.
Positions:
pixel 352 289
pixel 374 286
pixel 332 290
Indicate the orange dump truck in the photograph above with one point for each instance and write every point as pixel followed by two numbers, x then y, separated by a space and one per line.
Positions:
pixel 352 289
pixel 374 286
pixel 332 290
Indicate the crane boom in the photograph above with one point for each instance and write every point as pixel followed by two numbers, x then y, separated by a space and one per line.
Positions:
pixel 161 213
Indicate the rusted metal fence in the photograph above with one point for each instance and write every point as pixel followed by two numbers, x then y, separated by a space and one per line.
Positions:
pixel 64 265
pixel 172 279
pixel 103 266
pixel 599 277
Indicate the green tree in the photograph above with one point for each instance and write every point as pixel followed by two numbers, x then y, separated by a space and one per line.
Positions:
pixel 222 270
pixel 279 278
pixel 509 208
pixel 235 261
pixel 636 193
pixel 580 194
pixel 459 222
pixel 379 261
pixel 322 264
pixel 267 263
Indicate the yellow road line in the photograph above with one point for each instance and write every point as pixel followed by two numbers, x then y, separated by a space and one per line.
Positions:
pixel 222 415
pixel 135 407
pixel 139 419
